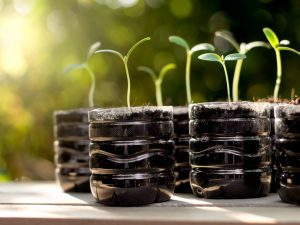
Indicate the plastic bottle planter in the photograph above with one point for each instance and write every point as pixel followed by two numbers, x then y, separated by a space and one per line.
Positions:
pixel 132 155
pixel 287 144
pixel 72 150
pixel 182 149
pixel 230 149
pixel 273 158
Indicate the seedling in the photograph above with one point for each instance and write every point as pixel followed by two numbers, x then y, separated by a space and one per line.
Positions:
pixel 221 59
pixel 85 66
pixel 277 46
pixel 189 52
pixel 293 94
pixel 125 59
pixel 242 48
pixel 157 80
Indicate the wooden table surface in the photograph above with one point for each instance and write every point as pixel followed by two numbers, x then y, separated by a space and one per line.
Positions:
pixel 44 203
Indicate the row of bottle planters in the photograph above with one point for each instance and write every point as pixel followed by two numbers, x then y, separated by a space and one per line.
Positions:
pixel 142 155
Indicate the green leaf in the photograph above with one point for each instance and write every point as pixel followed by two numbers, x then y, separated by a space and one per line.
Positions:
pixel 256 44
pixel 226 35
pixel 202 47
pixel 92 50
pixel 73 67
pixel 271 36
pixel 148 71
pixel 110 51
pixel 288 49
pixel 165 69
pixel 211 57
pixel 234 56
pixel 135 45
pixel 179 41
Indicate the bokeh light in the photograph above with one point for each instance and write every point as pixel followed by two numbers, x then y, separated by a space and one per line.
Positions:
pixel 38 39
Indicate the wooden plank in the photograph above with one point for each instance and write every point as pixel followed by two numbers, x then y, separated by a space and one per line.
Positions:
pixel 44 203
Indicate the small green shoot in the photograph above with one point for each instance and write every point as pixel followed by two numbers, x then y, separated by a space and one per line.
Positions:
pixel 242 48
pixel 277 46
pixel 293 94
pixel 189 52
pixel 125 59
pixel 221 59
pixel 157 80
pixel 86 66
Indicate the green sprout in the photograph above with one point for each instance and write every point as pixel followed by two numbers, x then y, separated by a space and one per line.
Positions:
pixel 157 80
pixel 189 52
pixel 125 59
pixel 293 94
pixel 242 48
pixel 277 46
pixel 86 67
pixel 221 59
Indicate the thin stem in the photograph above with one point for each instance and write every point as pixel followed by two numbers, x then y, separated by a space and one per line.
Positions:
pixel 158 93
pixel 187 77
pixel 227 81
pixel 288 49
pixel 128 82
pixel 293 94
pixel 135 45
pixel 228 38
pixel 279 73
pixel 92 88
pixel 110 51
pixel 236 79
pixel 237 73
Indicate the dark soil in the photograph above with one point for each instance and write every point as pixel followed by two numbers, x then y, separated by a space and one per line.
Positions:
pixel 71 150
pixel 132 189
pixel 143 113
pixel 130 130
pixel 132 155
pixel 181 138
pixel 287 142
pixel 230 150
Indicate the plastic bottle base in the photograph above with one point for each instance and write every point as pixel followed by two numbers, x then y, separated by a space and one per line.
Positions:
pixel 109 190
pixel 289 194
pixel 74 184
pixel 130 196
pixel 223 187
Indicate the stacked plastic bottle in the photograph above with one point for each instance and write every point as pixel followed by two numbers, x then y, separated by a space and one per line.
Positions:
pixel 287 142
pixel 273 158
pixel 182 149
pixel 230 149
pixel 71 148
pixel 132 155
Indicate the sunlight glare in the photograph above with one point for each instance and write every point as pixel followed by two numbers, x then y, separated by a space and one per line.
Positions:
pixel 24 6
pixel 13 62
pixel 12 39
pixel 128 3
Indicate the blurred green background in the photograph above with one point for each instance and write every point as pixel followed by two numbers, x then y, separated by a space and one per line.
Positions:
pixel 38 39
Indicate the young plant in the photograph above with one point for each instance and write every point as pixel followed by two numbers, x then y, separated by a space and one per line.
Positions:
pixel 86 67
pixel 277 46
pixel 293 94
pixel 221 59
pixel 242 48
pixel 189 52
pixel 125 59
pixel 157 80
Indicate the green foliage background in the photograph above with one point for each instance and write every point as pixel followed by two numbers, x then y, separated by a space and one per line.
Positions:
pixel 38 39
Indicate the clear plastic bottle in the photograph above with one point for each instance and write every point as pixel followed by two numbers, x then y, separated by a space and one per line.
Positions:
pixel 71 147
pixel 132 155
pixel 182 149
pixel 230 149
pixel 287 142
